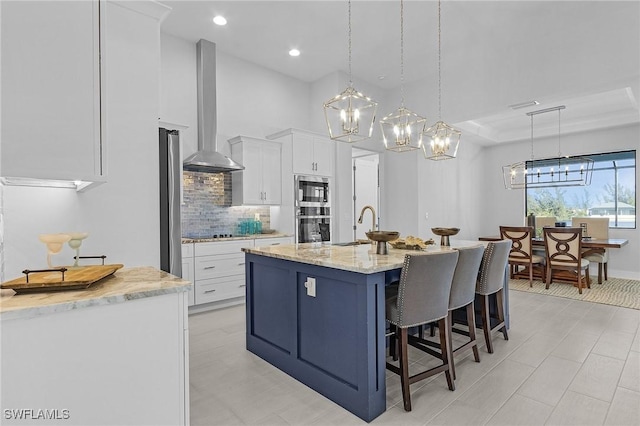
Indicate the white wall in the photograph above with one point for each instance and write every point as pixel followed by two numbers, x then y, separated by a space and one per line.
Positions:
pixel 251 100
pixel 121 215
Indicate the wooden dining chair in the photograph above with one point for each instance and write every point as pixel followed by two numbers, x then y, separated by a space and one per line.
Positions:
pixel 521 253
pixel 598 229
pixel 564 254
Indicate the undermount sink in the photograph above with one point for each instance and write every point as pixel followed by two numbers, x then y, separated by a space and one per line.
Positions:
pixel 352 243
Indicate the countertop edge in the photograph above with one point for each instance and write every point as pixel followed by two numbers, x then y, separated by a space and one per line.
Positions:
pixel 111 290
pixel 238 238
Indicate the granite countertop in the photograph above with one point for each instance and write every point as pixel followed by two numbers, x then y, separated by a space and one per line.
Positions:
pixel 360 258
pixel 126 284
pixel 234 238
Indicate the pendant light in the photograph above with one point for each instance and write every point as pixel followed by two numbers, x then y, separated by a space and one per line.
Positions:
pixel 551 172
pixel 442 140
pixel 350 115
pixel 402 129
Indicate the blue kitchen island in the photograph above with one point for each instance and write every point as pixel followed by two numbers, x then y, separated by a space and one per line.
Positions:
pixel 317 313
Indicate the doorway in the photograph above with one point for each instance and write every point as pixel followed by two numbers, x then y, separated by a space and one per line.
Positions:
pixel 366 189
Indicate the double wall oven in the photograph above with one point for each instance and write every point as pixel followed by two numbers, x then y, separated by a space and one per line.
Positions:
pixel 313 209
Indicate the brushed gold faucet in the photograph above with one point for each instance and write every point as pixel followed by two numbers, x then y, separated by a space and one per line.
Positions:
pixel 373 218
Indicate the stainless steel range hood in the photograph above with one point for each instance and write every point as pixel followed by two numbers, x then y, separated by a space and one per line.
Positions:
pixel 207 159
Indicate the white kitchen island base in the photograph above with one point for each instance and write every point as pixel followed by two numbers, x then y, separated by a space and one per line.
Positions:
pixel 110 363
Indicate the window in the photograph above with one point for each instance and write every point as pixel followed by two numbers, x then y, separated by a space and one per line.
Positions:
pixel 612 193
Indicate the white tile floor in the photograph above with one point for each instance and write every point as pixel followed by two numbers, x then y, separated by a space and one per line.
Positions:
pixel 566 362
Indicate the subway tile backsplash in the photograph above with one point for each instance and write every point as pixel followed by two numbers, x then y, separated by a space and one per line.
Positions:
pixel 206 209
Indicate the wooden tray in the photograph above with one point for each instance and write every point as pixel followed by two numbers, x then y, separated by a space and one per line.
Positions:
pixel 74 279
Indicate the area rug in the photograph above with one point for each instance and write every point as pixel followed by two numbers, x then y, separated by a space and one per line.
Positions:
pixel 614 291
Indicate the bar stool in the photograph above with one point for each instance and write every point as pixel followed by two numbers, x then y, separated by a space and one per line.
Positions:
pixel 491 281
pixel 422 297
pixel 463 296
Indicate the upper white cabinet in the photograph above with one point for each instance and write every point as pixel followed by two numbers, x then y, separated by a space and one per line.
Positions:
pixel 312 154
pixel 260 182
pixel 51 123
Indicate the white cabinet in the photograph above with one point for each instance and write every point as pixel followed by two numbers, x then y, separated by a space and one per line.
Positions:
pixel 260 182
pixel 263 242
pixel 51 123
pixel 188 269
pixel 312 154
pixel 219 270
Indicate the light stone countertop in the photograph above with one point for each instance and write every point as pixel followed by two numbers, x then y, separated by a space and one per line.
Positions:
pixel 126 284
pixel 235 238
pixel 360 258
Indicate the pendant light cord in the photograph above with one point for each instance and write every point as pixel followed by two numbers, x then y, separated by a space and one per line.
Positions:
pixel 559 150
pixel 350 81
pixel 531 139
pixel 439 71
pixel 402 53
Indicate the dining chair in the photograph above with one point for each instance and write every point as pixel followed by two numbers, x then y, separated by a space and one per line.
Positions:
pixel 422 297
pixel 521 253
pixel 598 229
pixel 543 222
pixel 564 248
pixel 491 281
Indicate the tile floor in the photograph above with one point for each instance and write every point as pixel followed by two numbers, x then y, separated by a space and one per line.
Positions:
pixel 566 362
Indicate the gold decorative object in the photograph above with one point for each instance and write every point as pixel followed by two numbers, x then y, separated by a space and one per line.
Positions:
pixel 381 238
pixel 444 234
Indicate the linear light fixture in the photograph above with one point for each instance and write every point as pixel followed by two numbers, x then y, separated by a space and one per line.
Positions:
pixel 550 172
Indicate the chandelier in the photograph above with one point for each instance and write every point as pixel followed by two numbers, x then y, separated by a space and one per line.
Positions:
pixel 550 172
pixel 443 140
pixel 402 129
pixel 350 115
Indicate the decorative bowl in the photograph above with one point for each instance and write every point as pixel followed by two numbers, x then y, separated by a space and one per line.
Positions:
pixel 381 238
pixel 383 235
pixel 445 233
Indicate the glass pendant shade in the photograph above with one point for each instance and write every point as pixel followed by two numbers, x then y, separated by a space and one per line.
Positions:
pixel 402 130
pixel 548 173
pixel 350 116
pixel 441 142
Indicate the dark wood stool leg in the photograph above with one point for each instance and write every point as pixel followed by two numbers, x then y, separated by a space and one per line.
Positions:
pixel 500 309
pixel 605 271
pixel 443 325
pixel 450 338
pixel 599 273
pixel 486 322
pixel 393 342
pixel 471 320
pixel 404 367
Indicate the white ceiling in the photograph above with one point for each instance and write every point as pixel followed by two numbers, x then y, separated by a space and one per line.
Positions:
pixel 582 54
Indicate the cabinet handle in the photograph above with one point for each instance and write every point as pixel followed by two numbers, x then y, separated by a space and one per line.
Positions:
pixel 242 285
pixel 209 291
pixel 240 264
pixel 209 267
pixel 275 244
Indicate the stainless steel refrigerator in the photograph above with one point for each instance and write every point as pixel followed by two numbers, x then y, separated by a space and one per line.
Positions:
pixel 170 178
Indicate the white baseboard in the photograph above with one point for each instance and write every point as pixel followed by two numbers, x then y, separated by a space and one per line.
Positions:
pixel 618 273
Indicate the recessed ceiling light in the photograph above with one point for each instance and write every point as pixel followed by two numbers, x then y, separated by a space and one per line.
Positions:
pixel 382 77
pixel 220 20
pixel 294 52
pixel 524 104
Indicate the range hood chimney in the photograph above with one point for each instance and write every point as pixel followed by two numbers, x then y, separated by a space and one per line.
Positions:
pixel 207 159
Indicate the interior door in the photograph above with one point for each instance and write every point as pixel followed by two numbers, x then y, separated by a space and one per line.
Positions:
pixel 365 190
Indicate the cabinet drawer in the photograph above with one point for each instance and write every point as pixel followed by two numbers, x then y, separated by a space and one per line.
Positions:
pixel 223 265
pixel 263 242
pixel 213 290
pixel 226 247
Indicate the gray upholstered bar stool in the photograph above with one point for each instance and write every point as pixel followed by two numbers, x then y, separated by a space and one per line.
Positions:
pixel 463 292
pixel 422 297
pixel 491 281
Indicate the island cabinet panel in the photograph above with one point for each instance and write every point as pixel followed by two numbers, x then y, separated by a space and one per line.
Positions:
pixel 332 342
